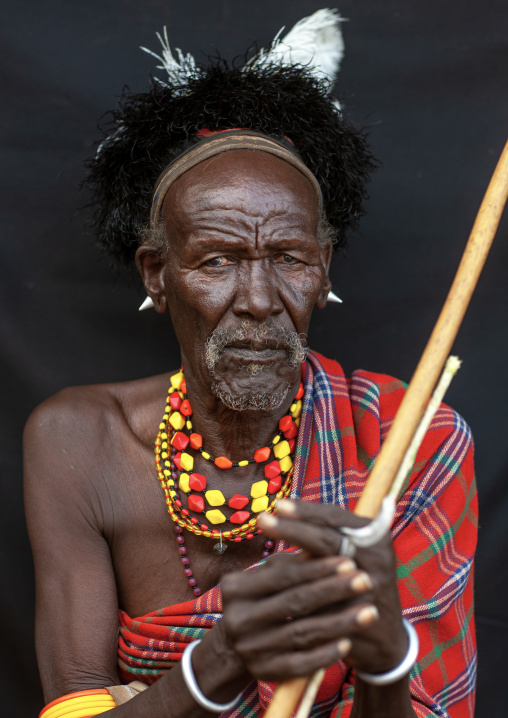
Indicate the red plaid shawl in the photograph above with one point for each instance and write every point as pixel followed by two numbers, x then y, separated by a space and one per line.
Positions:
pixel 343 425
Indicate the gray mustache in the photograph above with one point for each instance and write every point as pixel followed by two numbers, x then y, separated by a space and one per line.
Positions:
pixel 249 332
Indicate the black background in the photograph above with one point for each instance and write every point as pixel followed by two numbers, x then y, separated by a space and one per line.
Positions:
pixel 430 79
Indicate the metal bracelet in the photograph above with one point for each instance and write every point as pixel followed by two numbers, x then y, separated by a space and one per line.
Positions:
pixel 370 534
pixel 385 679
pixel 193 688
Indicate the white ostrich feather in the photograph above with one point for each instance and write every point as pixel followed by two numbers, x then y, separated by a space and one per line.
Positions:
pixel 315 41
pixel 179 69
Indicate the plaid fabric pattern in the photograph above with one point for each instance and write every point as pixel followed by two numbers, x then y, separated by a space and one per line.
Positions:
pixel 344 422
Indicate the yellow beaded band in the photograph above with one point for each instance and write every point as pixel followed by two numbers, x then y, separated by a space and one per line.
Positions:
pixel 82 704
pixel 224 142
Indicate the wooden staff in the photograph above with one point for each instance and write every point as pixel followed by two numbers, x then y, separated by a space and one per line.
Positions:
pixel 438 347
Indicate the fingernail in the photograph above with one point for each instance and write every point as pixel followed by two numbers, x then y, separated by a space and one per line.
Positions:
pixel 285 506
pixel 344 646
pixel 346 566
pixel 268 520
pixel 367 615
pixel 361 582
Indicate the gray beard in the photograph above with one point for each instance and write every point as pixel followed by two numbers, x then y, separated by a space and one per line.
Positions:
pixel 259 400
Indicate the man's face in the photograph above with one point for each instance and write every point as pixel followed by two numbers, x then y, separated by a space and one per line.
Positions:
pixel 242 274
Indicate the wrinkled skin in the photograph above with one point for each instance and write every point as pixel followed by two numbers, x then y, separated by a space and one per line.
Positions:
pixel 242 247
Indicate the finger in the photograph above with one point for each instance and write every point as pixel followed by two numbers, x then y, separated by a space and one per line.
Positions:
pixel 279 667
pixel 320 514
pixel 280 573
pixel 306 633
pixel 317 539
pixel 249 616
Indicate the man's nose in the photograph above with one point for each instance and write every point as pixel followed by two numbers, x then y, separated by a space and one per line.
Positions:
pixel 257 291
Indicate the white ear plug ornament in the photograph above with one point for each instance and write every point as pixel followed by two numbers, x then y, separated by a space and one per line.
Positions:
pixel 332 297
pixel 147 304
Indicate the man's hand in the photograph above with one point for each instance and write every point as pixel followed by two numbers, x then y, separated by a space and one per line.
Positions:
pixel 300 612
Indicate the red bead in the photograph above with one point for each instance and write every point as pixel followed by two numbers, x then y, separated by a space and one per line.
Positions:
pixel 272 469
pixel 300 392
pixel 174 401
pixel 185 561
pixel 269 544
pixel 192 582
pixel 291 432
pixel 239 517
pixel 186 408
pixel 177 458
pixel 183 386
pixel 178 502
pixel 262 454
pixel 249 536
pixel 194 520
pixel 223 462
pixel 275 484
pixel 180 540
pixel 196 441
pixel 237 539
pixel 285 422
pixel 185 512
pixel 182 550
pixel 292 445
pixel 265 554
pixel 180 441
pixel 196 591
pixel 196 503
pixel 238 501
pixel 178 530
pixel 203 527
pixel 188 572
pixel 197 482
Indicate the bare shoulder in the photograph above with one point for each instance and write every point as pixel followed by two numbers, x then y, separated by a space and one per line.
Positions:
pixel 97 409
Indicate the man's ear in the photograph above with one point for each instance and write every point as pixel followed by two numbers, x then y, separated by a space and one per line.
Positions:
pixel 150 265
pixel 326 258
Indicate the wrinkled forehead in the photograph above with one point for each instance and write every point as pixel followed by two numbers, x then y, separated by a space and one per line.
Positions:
pixel 243 180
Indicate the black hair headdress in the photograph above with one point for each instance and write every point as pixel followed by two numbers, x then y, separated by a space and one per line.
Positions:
pixel 284 91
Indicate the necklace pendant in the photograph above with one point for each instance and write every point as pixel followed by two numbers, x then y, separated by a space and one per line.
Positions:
pixel 220 548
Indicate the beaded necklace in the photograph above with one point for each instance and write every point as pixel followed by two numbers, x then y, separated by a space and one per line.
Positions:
pixel 174 470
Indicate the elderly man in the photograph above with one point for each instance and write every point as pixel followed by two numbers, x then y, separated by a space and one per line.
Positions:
pixel 244 216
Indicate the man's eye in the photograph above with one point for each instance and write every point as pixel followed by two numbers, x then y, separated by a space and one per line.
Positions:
pixel 216 262
pixel 286 259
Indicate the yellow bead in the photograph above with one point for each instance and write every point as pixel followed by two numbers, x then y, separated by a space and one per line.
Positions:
pixel 296 409
pixel 164 445
pixel 243 463
pixel 187 462
pixel 165 417
pixel 177 421
pixel 297 422
pixel 162 426
pixel 215 498
pixel 226 534
pixel 164 435
pixel 285 463
pixel 183 484
pixel 181 523
pixel 176 380
pixel 215 516
pixel 281 449
pixel 198 532
pixel 164 454
pixel 207 533
pixel 167 409
pixel 167 472
pixel 188 424
pixel 260 504
pixel 205 454
pixel 276 439
pixel 259 488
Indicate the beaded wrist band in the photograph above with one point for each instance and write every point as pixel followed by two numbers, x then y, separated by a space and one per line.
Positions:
pixel 386 679
pixel 81 704
pixel 193 688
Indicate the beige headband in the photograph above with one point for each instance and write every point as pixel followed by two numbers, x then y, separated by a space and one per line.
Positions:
pixel 240 140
